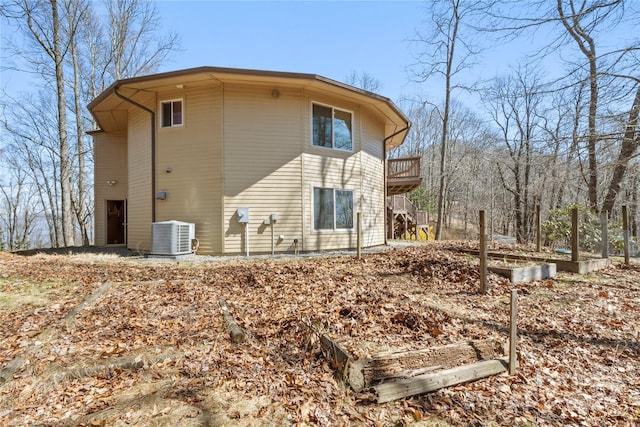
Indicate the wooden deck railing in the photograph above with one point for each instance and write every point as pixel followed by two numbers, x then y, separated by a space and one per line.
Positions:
pixel 408 167
pixel 403 175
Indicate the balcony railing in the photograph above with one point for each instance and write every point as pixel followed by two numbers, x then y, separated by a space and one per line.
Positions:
pixel 403 175
pixel 408 167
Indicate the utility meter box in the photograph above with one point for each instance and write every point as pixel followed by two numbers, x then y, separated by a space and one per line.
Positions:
pixel 243 215
pixel 271 219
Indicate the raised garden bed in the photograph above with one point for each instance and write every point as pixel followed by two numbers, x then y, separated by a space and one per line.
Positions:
pixel 579 267
pixel 394 374
pixel 526 273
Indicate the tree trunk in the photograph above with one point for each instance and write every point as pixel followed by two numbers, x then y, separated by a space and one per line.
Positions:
pixel 588 48
pixel 630 143
pixel 80 202
pixel 65 164
pixel 451 45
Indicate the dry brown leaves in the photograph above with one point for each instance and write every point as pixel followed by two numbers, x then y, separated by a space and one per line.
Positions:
pixel 153 350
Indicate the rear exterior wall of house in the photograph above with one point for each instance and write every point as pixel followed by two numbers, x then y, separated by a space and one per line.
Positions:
pixel 241 146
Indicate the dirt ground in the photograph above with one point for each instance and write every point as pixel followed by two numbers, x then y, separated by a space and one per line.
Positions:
pixel 105 339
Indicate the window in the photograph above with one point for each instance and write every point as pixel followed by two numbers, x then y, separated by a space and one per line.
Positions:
pixel 333 209
pixel 171 113
pixel 331 128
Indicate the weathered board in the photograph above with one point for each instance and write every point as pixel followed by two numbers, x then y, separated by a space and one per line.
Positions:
pixel 386 364
pixel 398 389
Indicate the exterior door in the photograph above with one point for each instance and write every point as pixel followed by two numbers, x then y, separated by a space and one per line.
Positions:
pixel 116 220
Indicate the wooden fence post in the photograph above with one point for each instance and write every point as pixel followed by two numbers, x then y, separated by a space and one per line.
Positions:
pixel 604 223
pixel 359 232
pixel 483 253
pixel 538 229
pixel 513 333
pixel 625 233
pixel 575 236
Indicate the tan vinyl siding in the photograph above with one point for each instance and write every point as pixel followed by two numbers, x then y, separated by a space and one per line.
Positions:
pixel 245 142
pixel 193 152
pixel 139 162
pixel 262 166
pixel 373 202
pixel 330 172
pixel 110 153
pixel 335 169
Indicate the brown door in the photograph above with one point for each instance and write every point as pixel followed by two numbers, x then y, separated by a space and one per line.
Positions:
pixel 116 219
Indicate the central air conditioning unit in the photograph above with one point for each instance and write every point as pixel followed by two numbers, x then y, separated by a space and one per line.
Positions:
pixel 172 237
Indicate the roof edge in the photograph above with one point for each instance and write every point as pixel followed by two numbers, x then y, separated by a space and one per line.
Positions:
pixel 241 71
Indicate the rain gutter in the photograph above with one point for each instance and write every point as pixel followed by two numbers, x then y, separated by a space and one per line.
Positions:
pixel 384 151
pixel 153 148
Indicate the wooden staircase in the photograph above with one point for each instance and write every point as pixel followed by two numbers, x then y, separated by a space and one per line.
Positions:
pixel 404 219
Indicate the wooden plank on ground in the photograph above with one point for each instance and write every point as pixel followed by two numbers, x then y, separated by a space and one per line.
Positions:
pixel 387 392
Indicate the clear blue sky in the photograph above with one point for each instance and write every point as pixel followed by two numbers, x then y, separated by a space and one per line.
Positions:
pixel 329 38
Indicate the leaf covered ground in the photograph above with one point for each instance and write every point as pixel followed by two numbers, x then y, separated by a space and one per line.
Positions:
pixel 108 340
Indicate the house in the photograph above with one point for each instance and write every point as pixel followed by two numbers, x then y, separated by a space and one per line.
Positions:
pixel 232 150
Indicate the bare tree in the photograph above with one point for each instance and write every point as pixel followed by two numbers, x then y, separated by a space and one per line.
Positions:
pixel 70 49
pixel 50 27
pixel 445 53
pixel 514 102
pixel 424 130
pixel 32 147
pixel 138 43
pixel 19 211
pixel 364 81
pixel 602 70
pixel 79 197
pixel 628 150
pixel 580 19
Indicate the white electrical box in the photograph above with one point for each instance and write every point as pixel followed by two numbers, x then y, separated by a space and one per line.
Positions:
pixel 243 215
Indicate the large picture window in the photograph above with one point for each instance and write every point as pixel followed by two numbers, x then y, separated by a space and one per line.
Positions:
pixel 332 128
pixel 332 209
pixel 171 113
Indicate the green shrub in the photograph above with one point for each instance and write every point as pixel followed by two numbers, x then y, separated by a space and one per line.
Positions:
pixel 557 229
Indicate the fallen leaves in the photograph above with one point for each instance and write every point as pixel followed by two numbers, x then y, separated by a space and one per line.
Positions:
pixel 154 345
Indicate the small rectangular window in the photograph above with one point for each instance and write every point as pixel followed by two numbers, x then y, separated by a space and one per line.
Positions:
pixel 171 112
pixel 332 128
pixel 332 209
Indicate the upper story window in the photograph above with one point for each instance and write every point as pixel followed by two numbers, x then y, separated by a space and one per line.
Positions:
pixel 332 128
pixel 171 113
